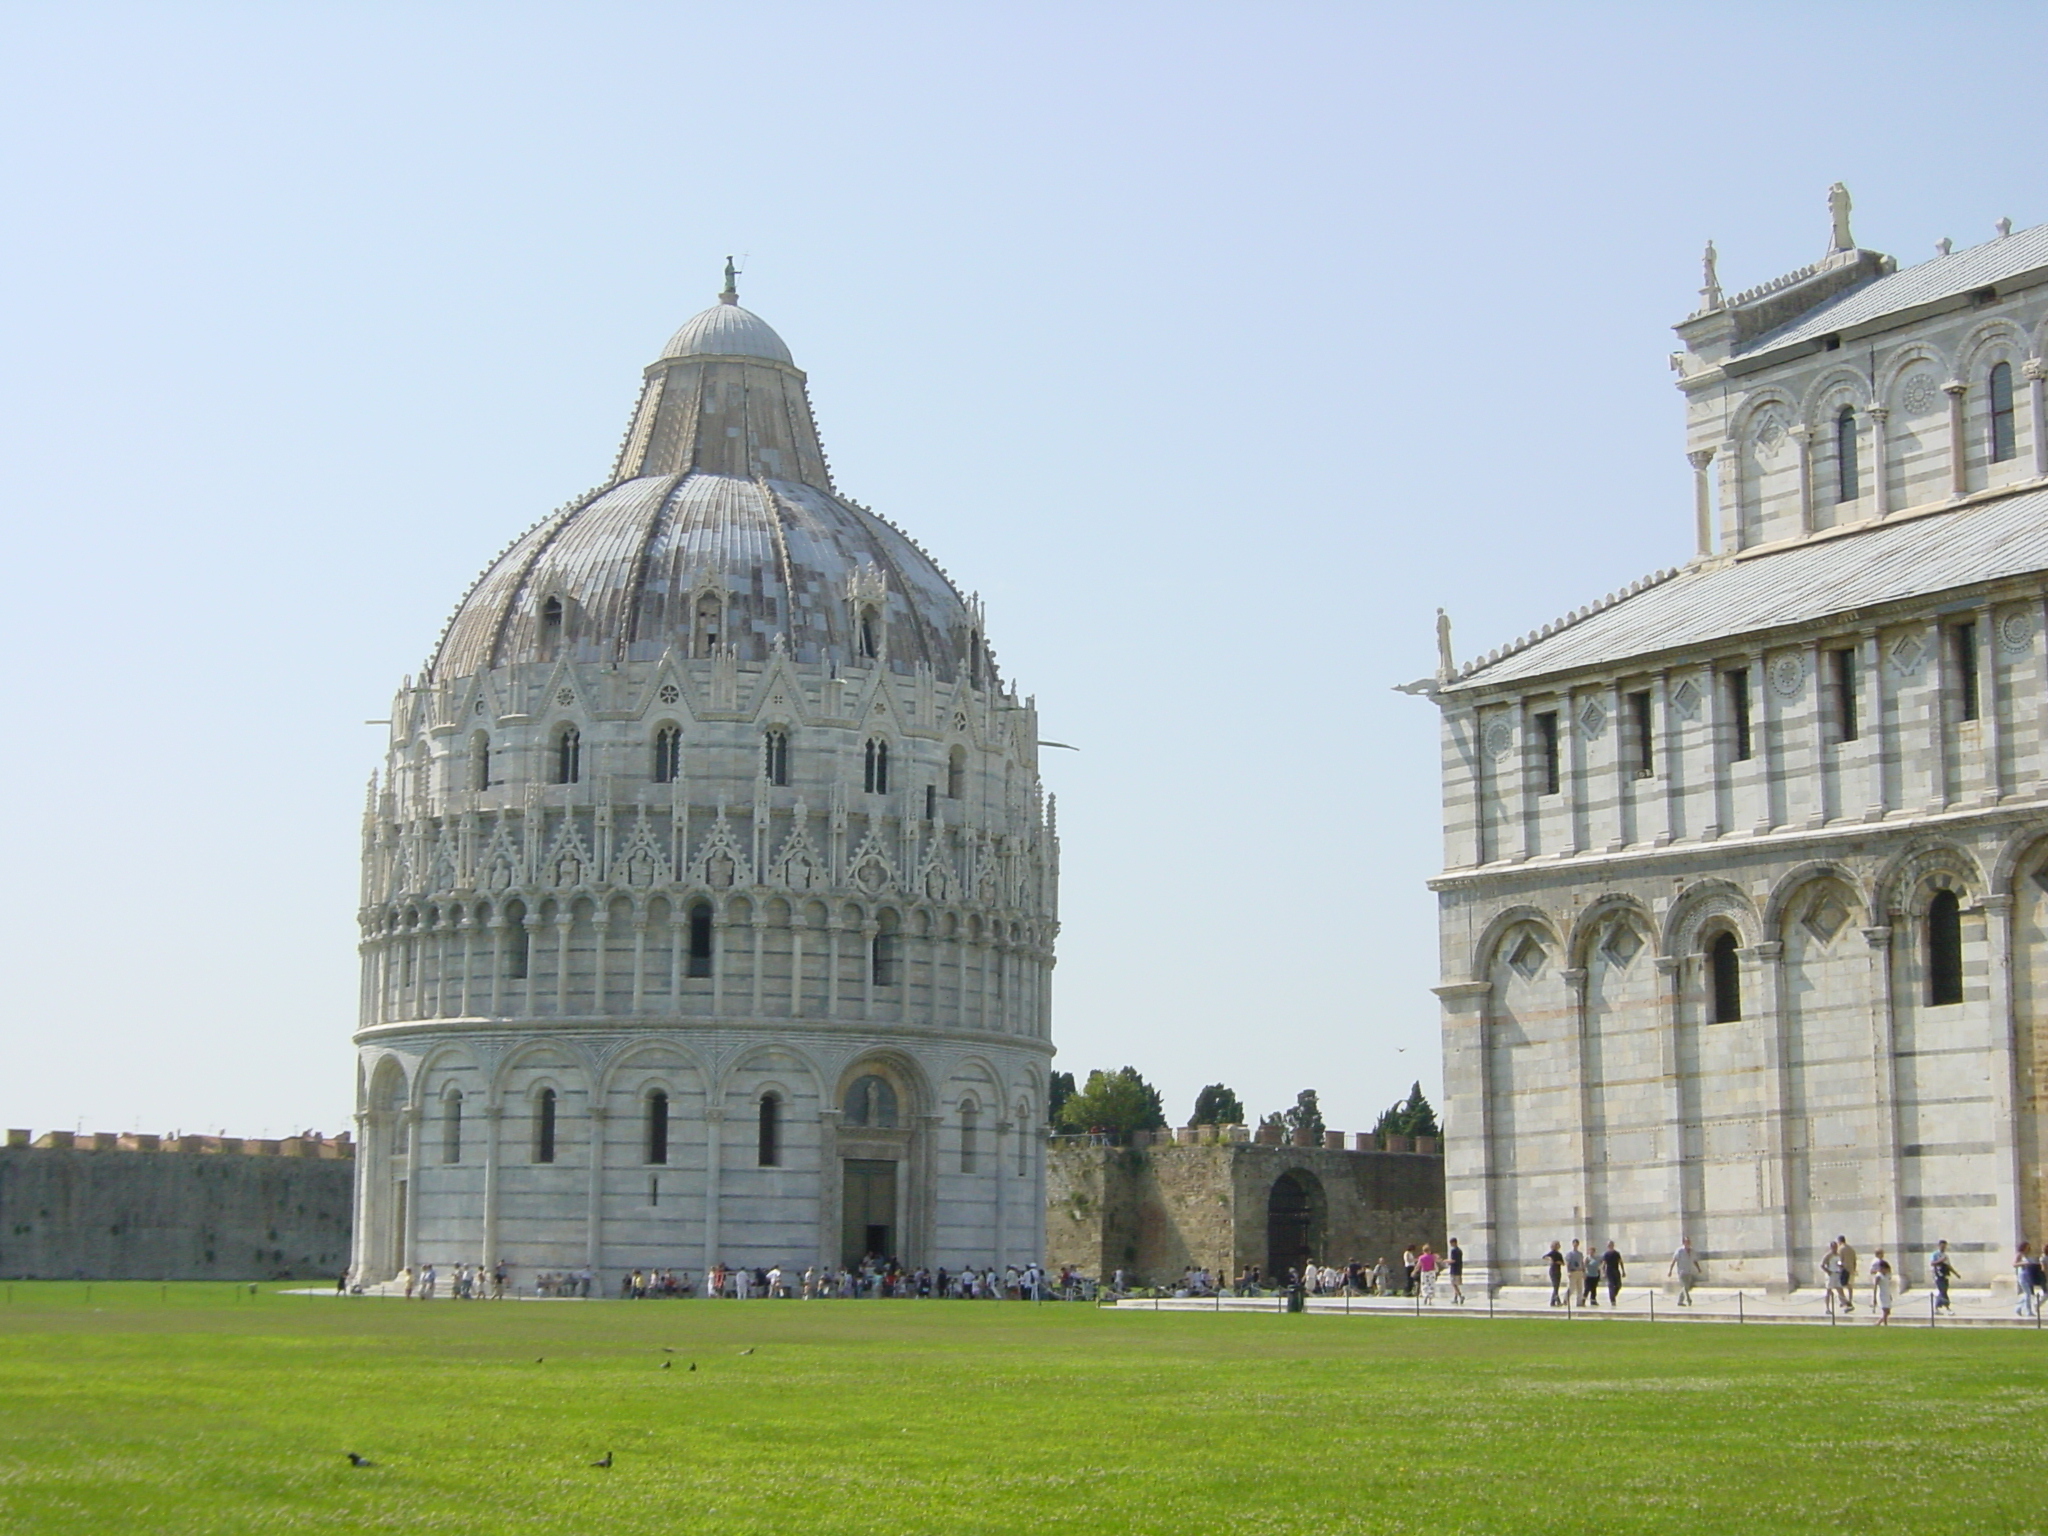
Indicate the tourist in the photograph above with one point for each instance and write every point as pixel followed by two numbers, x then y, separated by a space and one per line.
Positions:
pixel 1846 1261
pixel 1881 1287
pixel 1940 1270
pixel 427 1280
pixel 1455 1263
pixel 1612 1270
pixel 405 1275
pixel 1554 1262
pixel 1685 1265
pixel 2026 1280
pixel 1425 1270
pixel 1832 1276
pixel 1575 1276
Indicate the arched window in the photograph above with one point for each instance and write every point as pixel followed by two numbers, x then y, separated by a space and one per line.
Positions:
pixel 1944 950
pixel 700 940
pixel 544 1126
pixel 668 754
pixel 657 1126
pixel 451 1128
pixel 1847 479
pixel 518 943
pixel 956 773
pixel 480 761
pixel 708 621
pixel 1725 974
pixel 876 779
pixel 883 952
pixel 870 634
pixel 2003 422
pixel 775 756
pixel 550 629
pixel 568 764
pixel 871 1101
pixel 970 1118
pixel 768 1143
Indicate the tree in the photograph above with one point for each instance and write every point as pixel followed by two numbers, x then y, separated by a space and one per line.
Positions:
pixel 1217 1105
pixel 1057 1093
pixel 1412 1116
pixel 1306 1115
pixel 1116 1102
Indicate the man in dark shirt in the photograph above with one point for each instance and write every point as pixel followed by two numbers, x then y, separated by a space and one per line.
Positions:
pixel 1611 1271
pixel 1555 1261
pixel 1456 1258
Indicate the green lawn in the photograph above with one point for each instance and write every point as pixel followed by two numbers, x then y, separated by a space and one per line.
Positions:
pixel 205 1409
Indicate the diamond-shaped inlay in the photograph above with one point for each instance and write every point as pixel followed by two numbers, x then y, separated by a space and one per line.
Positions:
pixel 1593 719
pixel 1527 956
pixel 1623 943
pixel 1907 653
pixel 1827 918
pixel 1685 698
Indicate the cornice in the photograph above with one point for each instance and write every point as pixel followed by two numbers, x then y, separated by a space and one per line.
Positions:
pixel 642 1029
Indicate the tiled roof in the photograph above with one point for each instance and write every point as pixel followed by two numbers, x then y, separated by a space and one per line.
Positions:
pixel 1915 557
pixel 1981 266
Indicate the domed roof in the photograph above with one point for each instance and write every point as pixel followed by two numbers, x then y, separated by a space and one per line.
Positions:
pixel 720 527
pixel 726 330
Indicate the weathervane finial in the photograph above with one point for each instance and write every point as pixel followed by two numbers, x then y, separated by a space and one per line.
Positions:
pixel 732 290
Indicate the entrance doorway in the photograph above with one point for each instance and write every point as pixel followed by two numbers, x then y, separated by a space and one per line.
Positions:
pixel 868 1219
pixel 1294 1223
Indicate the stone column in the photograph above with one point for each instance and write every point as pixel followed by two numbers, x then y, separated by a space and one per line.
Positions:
pixel 362 1254
pixel 600 1116
pixel 408 1240
pixel 494 1115
pixel 639 961
pixel 1990 721
pixel 1769 969
pixel 1958 445
pixel 758 936
pixel 831 1188
pixel 721 935
pixel 1003 1175
pixel 1880 458
pixel 1827 787
pixel 869 931
pixel 1670 981
pixel 714 1159
pixel 1667 760
pixel 1885 1088
pixel 1620 778
pixel 2037 396
pixel 1468 1155
pixel 565 920
pixel 1998 908
pixel 1729 471
pixel 1872 726
pixel 1802 443
pixel 1574 979
pixel 601 938
pixel 1758 776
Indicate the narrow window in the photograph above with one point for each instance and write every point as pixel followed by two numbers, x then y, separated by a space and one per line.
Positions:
pixel 956 773
pixel 768 1148
pixel 708 622
pixel 1738 711
pixel 2003 422
pixel 657 1127
pixel 931 801
pixel 451 1129
pixel 550 628
pixel 544 1127
pixel 1726 972
pixel 1944 950
pixel 876 778
pixel 1846 476
pixel 1641 740
pixel 970 1116
pixel 1546 745
pixel 480 761
pixel 668 754
pixel 518 944
pixel 568 763
pixel 884 953
pixel 1964 639
pixel 700 941
pixel 1842 665
pixel 775 756
pixel 870 635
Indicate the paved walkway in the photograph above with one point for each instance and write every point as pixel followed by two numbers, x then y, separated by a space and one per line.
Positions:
pixel 1973 1308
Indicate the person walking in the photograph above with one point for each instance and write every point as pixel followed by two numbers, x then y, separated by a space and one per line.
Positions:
pixel 1554 1262
pixel 1612 1270
pixel 1831 1277
pixel 1881 1288
pixel 1941 1271
pixel 1425 1272
pixel 1845 1260
pixel 1575 1276
pixel 1407 1271
pixel 1456 1265
pixel 1685 1265
pixel 2026 1274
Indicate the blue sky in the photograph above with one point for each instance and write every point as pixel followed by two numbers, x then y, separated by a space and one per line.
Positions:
pixel 1215 345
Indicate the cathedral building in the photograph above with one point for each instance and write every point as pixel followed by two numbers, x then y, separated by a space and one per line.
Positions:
pixel 1744 918
pixel 709 893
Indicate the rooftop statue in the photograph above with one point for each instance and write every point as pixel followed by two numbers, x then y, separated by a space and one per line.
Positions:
pixel 1838 214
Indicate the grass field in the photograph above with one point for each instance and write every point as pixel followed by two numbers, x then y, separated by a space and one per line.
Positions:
pixel 201 1408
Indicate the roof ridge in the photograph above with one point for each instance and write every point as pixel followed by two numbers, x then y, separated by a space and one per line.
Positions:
pixel 1558 626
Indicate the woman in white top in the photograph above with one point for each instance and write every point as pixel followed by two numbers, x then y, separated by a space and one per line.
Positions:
pixel 1881 1287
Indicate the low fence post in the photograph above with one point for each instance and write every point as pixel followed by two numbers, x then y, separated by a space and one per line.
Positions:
pixel 1738 1308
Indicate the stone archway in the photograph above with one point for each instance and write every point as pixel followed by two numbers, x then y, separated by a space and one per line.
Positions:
pixel 1297 1219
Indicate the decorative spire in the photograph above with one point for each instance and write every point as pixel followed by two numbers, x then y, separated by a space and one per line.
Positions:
pixel 731 295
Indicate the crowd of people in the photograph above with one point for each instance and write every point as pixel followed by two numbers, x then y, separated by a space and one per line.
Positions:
pixel 871 1278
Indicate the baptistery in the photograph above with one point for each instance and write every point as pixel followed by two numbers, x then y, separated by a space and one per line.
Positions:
pixel 709 890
